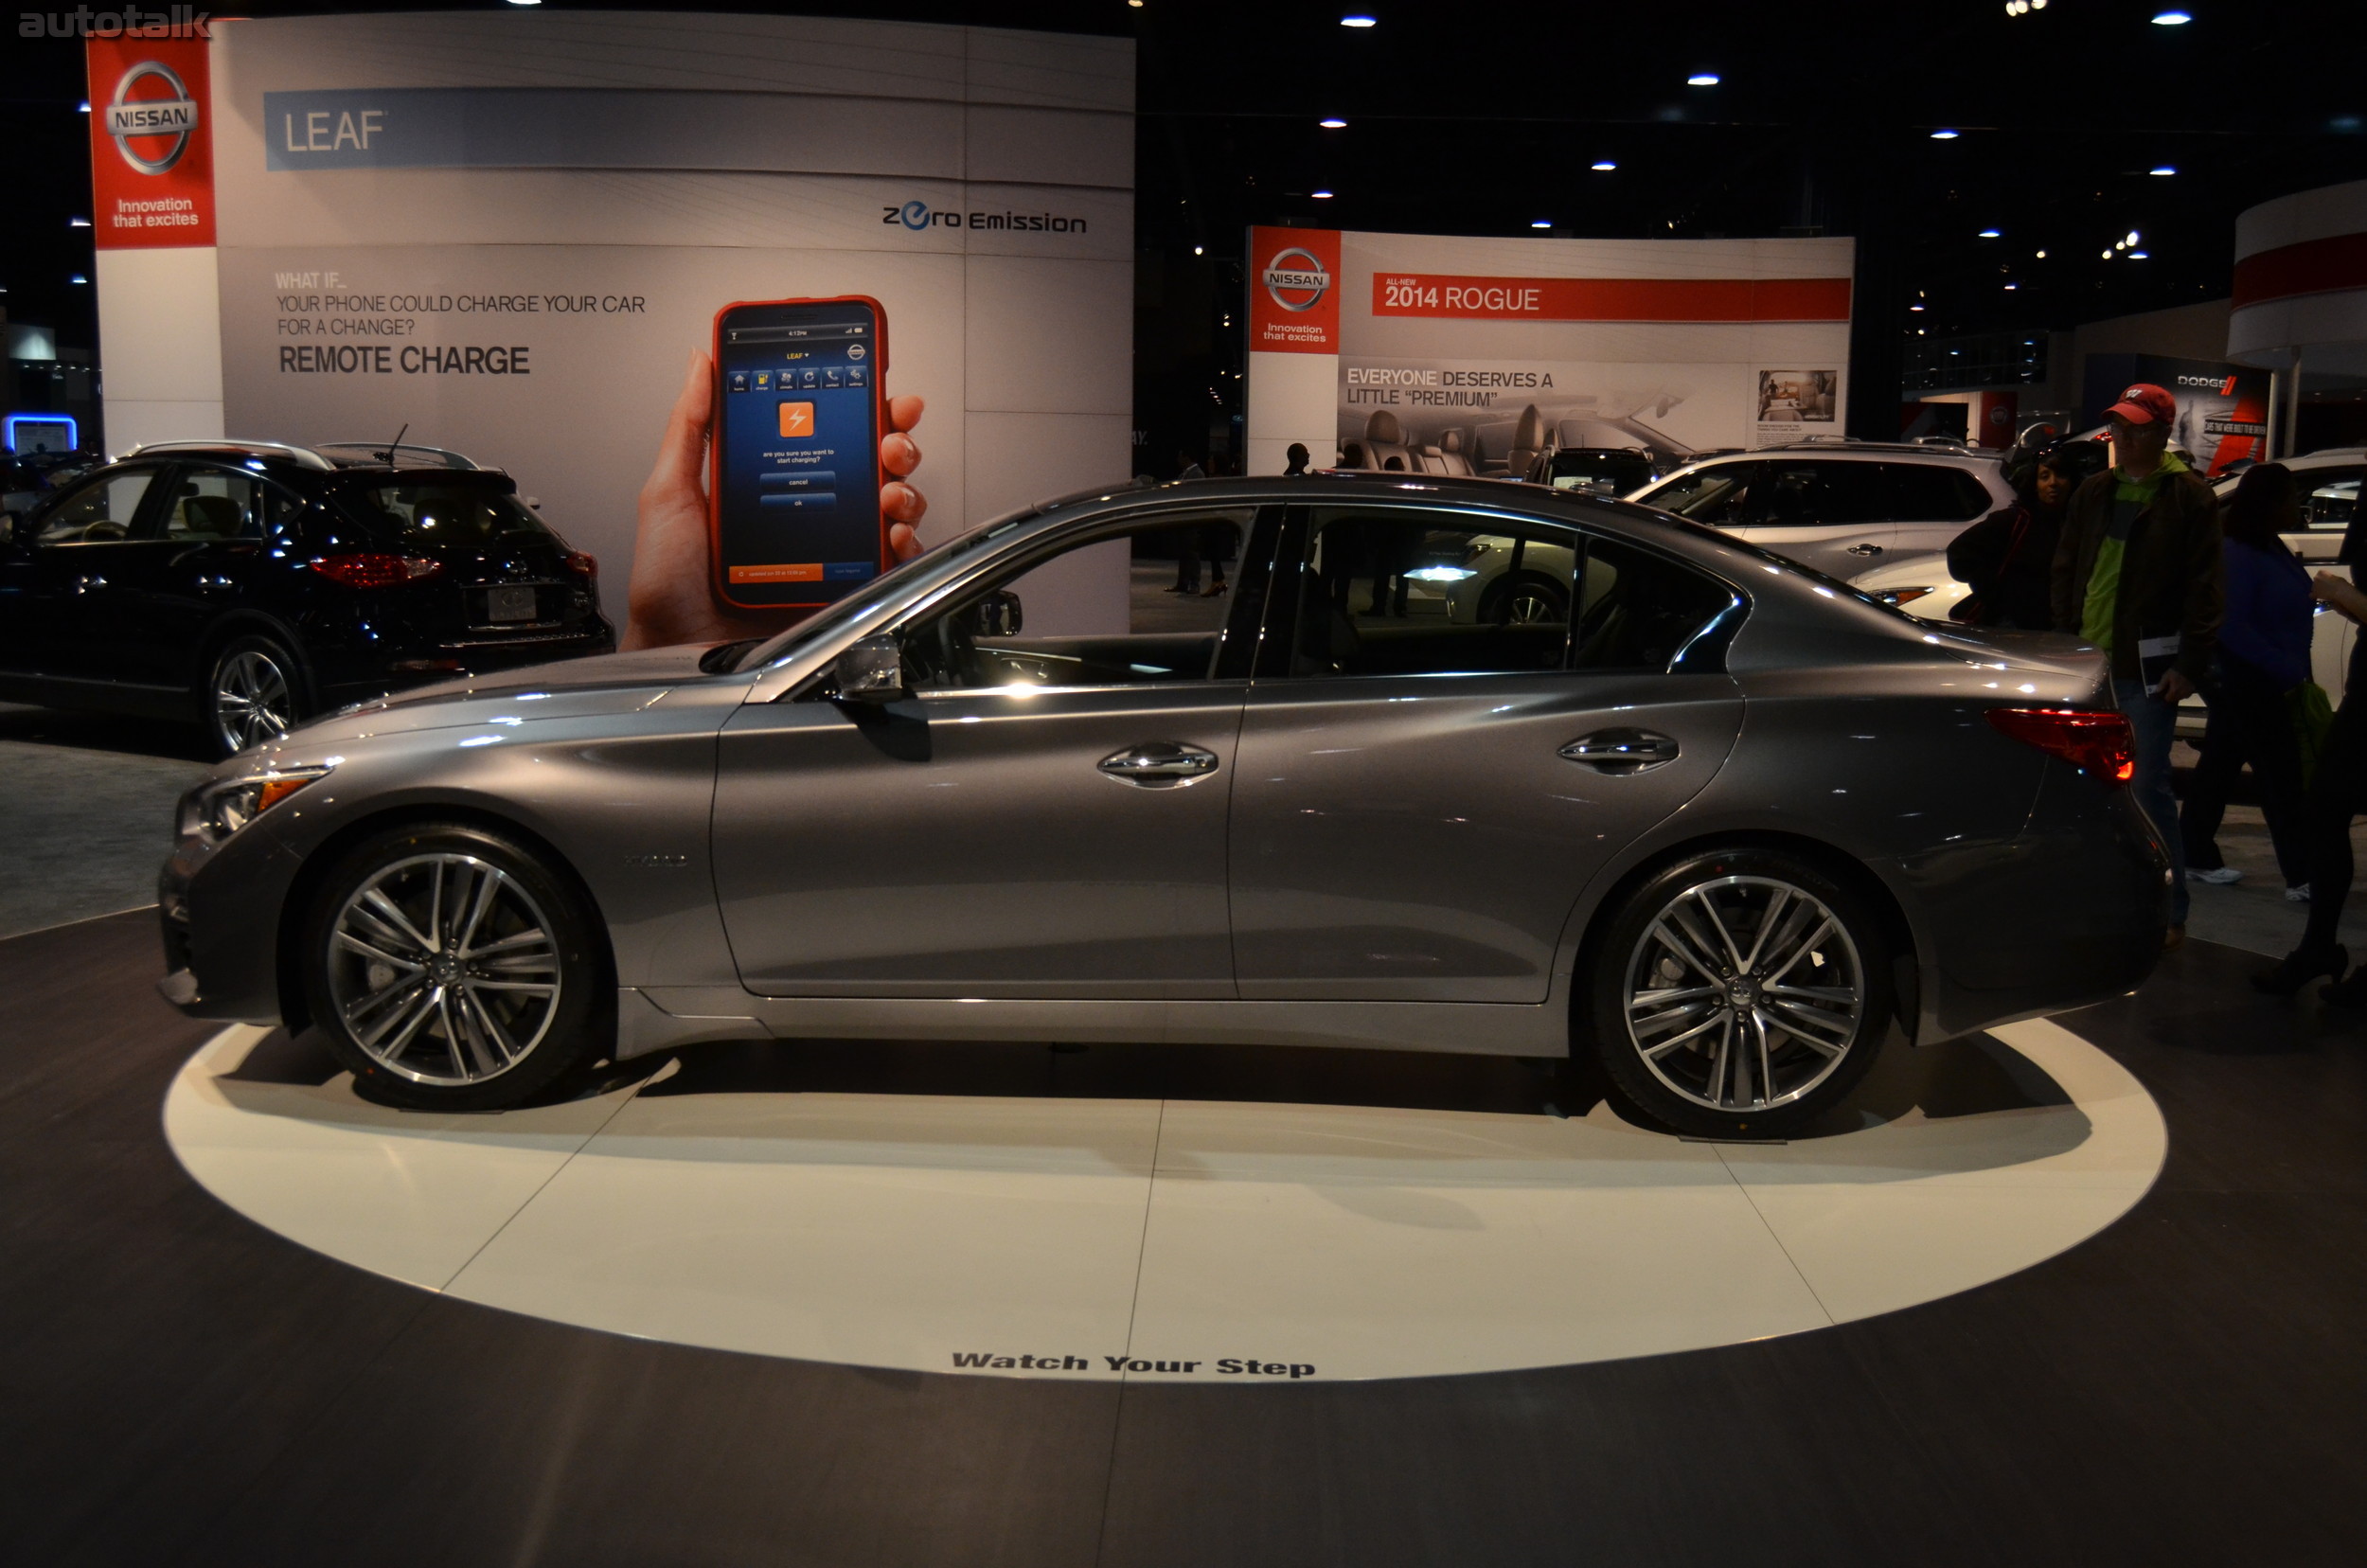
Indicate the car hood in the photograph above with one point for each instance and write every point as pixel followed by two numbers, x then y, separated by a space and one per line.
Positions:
pixel 602 683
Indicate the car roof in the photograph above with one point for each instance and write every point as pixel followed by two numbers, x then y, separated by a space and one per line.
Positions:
pixel 1887 452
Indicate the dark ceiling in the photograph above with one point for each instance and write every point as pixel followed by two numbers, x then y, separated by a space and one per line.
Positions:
pixel 1464 118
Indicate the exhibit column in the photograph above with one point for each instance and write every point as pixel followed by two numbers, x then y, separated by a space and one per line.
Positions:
pixel 153 221
pixel 1293 347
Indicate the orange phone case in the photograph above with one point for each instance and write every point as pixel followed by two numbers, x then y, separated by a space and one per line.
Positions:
pixel 715 446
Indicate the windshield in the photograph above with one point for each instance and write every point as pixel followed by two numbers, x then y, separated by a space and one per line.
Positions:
pixel 1604 473
pixel 438 508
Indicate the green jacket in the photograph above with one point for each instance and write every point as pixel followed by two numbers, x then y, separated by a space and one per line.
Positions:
pixel 2172 573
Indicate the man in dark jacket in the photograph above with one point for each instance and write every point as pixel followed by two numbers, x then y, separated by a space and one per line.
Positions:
pixel 2139 573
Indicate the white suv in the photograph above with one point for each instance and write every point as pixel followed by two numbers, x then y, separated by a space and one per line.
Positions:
pixel 1844 508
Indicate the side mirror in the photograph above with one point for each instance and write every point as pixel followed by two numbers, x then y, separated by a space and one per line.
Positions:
pixel 996 615
pixel 872 671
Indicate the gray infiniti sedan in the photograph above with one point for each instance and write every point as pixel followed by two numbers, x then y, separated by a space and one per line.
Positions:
pixel 1713 818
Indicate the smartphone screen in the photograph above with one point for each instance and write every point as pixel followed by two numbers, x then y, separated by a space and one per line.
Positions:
pixel 796 460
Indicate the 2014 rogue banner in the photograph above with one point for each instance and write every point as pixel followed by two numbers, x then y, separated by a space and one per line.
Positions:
pixel 1467 355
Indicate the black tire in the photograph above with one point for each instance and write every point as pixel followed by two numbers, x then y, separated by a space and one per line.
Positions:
pixel 417 1023
pixel 254 691
pixel 1662 1047
pixel 1525 599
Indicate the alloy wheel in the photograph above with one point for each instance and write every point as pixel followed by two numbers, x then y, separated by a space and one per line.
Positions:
pixel 444 969
pixel 252 700
pixel 1744 993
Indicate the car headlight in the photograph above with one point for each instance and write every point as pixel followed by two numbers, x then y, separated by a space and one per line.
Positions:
pixel 214 811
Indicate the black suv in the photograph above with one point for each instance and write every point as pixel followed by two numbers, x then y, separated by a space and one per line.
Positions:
pixel 247 584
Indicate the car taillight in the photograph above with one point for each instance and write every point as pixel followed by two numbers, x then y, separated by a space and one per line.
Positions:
pixel 2097 743
pixel 369 570
pixel 583 565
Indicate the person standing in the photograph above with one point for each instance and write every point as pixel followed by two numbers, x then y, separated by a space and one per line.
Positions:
pixel 2138 573
pixel 2264 658
pixel 2335 796
pixel 1294 460
pixel 2008 557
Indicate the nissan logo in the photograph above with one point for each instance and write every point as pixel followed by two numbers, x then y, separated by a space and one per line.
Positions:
pixel 175 117
pixel 1296 288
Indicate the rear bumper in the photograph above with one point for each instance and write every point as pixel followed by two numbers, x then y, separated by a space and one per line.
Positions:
pixel 2071 913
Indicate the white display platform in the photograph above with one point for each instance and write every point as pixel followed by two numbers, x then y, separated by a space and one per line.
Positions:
pixel 1173 1241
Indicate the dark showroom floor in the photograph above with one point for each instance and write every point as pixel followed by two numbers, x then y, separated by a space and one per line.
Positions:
pixel 182 1383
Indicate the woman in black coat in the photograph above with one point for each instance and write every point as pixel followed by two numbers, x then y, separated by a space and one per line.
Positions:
pixel 2008 557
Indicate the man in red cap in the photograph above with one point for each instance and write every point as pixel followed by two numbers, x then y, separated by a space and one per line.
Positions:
pixel 2139 573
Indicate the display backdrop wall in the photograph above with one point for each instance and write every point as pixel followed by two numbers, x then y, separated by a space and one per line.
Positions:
pixel 2222 409
pixel 510 231
pixel 1441 352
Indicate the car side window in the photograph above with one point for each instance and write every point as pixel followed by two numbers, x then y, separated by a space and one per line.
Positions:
pixel 1933 493
pixel 101 511
pixel 1406 591
pixel 1642 611
pixel 1790 495
pixel 1716 495
pixel 1144 605
pixel 2329 498
pixel 210 503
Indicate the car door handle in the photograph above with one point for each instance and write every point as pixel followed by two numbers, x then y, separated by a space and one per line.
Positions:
pixel 1159 763
pixel 1865 549
pixel 1622 751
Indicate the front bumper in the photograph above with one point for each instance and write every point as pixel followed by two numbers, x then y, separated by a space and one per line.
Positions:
pixel 218 909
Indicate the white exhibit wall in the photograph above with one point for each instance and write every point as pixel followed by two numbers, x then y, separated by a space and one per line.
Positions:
pixel 161 346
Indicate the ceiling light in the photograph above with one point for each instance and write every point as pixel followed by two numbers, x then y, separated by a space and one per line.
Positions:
pixel 2132 238
pixel 2010 287
pixel 2109 255
pixel 1320 195
pixel 1335 123
pixel 83 107
pixel 1703 78
pixel 1605 166
pixel 2138 256
pixel 78 277
pixel 1542 222
pixel 1943 135
pixel 1988 234
pixel 1195 250
pixel 78 222
pixel 525 2
pixel 1914 307
pixel 1359 22
pixel 2042 255
pixel 2171 19
pixel 2165 170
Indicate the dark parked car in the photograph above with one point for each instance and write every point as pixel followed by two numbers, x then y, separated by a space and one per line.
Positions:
pixel 247 585
pixel 1718 821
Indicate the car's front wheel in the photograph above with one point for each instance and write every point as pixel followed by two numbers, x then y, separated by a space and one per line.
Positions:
pixel 451 970
pixel 1739 994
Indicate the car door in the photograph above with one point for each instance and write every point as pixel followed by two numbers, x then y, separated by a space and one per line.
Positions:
pixel 1823 512
pixel 63 583
pixel 188 563
pixel 1044 817
pixel 1932 503
pixel 1419 799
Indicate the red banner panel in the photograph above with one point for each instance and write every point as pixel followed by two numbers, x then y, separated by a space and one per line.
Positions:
pixel 152 148
pixel 2314 266
pixel 1611 298
pixel 1294 291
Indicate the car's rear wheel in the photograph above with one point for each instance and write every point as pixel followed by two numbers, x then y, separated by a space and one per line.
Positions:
pixel 451 970
pixel 251 694
pixel 1739 994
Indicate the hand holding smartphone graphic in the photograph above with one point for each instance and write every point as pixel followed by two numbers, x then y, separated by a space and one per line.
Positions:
pixel 673 597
